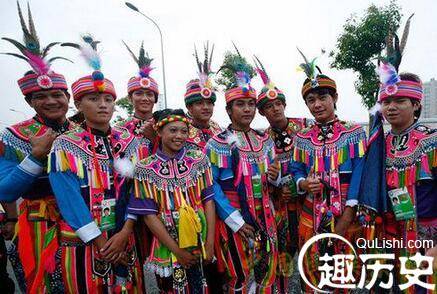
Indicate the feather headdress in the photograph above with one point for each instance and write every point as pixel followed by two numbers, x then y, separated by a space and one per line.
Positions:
pixel 394 48
pixel 310 69
pixel 36 56
pixel 31 50
pixel 143 80
pixel 204 68
pixel 388 68
pixel 269 91
pixel 263 73
pixel 88 50
pixel 241 69
pixel 143 60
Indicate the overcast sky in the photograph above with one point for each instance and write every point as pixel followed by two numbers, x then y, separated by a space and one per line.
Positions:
pixel 270 29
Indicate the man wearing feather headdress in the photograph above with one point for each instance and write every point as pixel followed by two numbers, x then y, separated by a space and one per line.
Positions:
pixel 23 165
pixel 327 166
pixel 243 164
pixel 89 169
pixel 271 104
pixel 411 159
pixel 143 93
pixel 199 100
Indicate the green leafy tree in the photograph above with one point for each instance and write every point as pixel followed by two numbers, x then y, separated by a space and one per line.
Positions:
pixel 361 43
pixel 233 62
pixel 124 103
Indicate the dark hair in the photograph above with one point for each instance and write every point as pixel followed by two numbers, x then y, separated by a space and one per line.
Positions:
pixel 322 91
pixel 408 76
pixel 161 114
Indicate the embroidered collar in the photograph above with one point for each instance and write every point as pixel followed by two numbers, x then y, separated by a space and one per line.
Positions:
pixel 97 132
pixel 407 130
pixel 55 126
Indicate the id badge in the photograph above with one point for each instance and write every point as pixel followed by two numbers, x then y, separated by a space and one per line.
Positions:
pixel 403 207
pixel 257 186
pixel 107 220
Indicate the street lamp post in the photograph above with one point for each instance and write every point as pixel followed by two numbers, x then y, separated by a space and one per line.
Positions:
pixel 134 8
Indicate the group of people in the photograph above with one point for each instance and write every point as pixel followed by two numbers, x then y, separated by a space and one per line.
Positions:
pixel 203 208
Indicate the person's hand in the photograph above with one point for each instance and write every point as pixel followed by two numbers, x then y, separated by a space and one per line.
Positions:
pixel 209 250
pixel 273 170
pixel 147 129
pixel 41 145
pixel 185 258
pixel 345 221
pixel 311 184
pixel 99 242
pixel 8 230
pixel 116 245
pixel 247 232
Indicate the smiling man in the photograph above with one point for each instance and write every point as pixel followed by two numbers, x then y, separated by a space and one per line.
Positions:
pixel 243 166
pixel 271 104
pixel 88 169
pixel 327 165
pixel 143 93
pixel 23 166
pixel 199 100
pixel 411 167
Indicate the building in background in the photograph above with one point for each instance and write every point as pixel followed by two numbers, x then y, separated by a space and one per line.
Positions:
pixel 429 103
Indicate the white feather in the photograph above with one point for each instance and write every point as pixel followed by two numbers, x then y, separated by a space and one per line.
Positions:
pixel 124 167
pixel 376 108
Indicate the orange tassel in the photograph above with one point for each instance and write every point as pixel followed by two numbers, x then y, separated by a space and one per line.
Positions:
pixel 25 243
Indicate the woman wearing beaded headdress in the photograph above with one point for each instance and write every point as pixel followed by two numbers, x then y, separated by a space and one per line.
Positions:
pixel 173 192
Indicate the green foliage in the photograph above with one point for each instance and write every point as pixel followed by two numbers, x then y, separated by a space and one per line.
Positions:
pixel 125 104
pixel 361 43
pixel 233 62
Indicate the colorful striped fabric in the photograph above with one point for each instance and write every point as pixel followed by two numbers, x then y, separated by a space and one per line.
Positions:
pixel 410 89
pixel 86 85
pixel 33 82
pixel 239 93
pixel 195 92
pixel 322 82
pixel 136 83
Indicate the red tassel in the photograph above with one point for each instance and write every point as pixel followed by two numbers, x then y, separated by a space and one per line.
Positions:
pixel 25 243
pixel 47 264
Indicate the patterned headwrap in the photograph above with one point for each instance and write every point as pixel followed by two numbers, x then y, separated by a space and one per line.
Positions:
pixel 42 78
pixel 391 84
pixel 240 87
pixel 315 79
pixel 269 91
pixel 143 80
pixel 96 82
pixel 166 116
pixel 201 88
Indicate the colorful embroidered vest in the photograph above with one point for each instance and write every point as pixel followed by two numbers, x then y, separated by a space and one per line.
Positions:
pixel 325 148
pixel 135 125
pixel 197 138
pixel 39 202
pixel 176 185
pixel 91 157
pixel 411 158
pixel 284 140
pixel 248 155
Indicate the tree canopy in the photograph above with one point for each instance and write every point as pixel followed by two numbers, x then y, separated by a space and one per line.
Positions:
pixel 361 43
